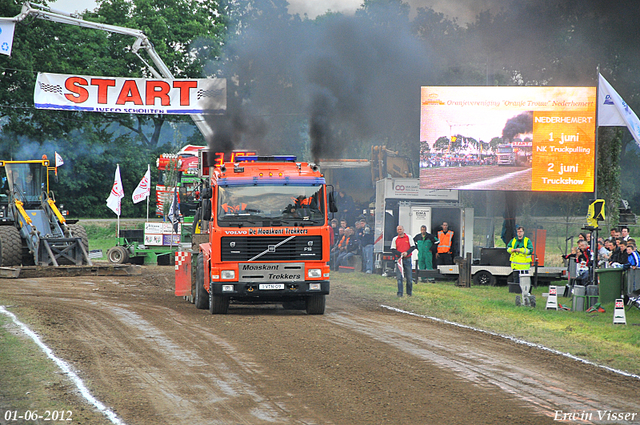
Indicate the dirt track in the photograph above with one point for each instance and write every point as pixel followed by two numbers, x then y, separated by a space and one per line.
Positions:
pixel 477 177
pixel 155 359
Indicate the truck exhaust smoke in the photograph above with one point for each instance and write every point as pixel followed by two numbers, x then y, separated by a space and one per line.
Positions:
pixel 347 77
pixel 520 124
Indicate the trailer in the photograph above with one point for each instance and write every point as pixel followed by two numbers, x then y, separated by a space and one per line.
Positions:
pixel 403 202
pixel 493 275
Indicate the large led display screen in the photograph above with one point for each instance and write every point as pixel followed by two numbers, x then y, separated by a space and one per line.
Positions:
pixel 508 138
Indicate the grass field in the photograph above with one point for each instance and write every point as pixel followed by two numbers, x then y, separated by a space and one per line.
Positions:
pixel 103 236
pixel 591 336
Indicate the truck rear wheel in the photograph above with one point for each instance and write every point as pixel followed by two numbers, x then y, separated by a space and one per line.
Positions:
pixel 316 304
pixel 10 246
pixel 201 299
pixel 218 304
pixel 118 255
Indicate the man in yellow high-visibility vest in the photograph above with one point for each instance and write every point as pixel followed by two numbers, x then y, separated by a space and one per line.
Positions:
pixel 521 250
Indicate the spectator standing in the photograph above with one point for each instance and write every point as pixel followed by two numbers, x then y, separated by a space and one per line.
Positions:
pixel 633 259
pixel 365 237
pixel 402 246
pixel 424 242
pixel 445 249
pixel 619 255
pixel 346 207
pixel 520 249
pixel 334 231
pixel 624 233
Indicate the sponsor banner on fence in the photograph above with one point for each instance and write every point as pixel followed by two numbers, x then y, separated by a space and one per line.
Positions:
pixel 130 95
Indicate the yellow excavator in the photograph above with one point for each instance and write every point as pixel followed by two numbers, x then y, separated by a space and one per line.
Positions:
pixel 33 231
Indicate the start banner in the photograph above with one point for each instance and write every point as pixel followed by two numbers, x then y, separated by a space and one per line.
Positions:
pixel 130 95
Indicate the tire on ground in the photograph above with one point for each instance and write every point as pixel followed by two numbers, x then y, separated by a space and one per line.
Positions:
pixel 484 277
pixel 78 231
pixel 201 299
pixel 118 255
pixel 316 304
pixel 218 304
pixel 10 246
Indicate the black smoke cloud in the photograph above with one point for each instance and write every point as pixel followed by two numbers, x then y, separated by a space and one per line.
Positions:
pixel 345 77
pixel 519 124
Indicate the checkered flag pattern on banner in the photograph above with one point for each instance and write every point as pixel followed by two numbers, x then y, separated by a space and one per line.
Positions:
pixel 51 88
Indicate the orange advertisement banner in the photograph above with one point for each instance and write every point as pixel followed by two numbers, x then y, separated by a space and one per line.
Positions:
pixel 538 139
pixel 563 151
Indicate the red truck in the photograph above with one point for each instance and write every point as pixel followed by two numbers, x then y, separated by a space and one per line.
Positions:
pixel 267 236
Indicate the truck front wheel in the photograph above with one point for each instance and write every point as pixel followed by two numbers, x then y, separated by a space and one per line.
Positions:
pixel 218 304
pixel 316 304
pixel 201 298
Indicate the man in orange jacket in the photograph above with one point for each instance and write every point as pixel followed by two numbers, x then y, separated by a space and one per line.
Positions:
pixel 444 254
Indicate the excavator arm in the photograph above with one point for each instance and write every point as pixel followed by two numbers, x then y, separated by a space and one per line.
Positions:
pixel 141 42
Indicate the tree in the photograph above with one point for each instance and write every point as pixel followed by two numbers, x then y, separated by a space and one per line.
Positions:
pixel 185 33
pixel 609 147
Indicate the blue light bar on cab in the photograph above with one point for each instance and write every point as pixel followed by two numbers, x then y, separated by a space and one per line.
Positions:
pixel 271 181
pixel 270 158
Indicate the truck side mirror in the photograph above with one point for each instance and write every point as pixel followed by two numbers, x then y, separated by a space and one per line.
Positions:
pixel 333 207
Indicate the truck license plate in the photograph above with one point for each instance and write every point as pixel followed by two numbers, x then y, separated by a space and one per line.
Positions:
pixel 271 286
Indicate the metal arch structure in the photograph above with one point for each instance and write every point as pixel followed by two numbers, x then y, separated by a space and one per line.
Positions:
pixel 142 42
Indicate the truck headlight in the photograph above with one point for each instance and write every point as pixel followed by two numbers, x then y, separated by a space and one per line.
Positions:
pixel 227 288
pixel 314 286
pixel 314 273
pixel 228 274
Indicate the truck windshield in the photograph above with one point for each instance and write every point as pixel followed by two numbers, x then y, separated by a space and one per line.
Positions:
pixel 505 150
pixel 271 205
pixel 26 181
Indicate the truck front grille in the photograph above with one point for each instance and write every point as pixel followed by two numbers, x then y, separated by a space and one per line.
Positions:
pixel 249 248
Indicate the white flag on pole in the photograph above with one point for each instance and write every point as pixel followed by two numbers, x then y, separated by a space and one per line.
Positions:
pixel 614 112
pixel 144 187
pixel 59 160
pixel 401 267
pixel 117 193
pixel 6 36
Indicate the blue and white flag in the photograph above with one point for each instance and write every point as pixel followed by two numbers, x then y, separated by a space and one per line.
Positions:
pixel 6 36
pixel 174 211
pixel 614 112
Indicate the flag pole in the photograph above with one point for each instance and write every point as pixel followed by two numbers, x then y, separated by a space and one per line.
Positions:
pixel 119 209
pixel 595 174
pixel 149 195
